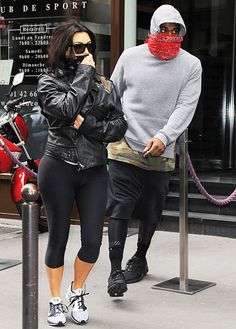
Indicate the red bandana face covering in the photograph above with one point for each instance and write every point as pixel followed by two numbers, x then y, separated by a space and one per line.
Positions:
pixel 164 46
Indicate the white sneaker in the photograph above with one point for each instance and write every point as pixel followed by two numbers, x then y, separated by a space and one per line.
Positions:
pixel 56 312
pixel 79 311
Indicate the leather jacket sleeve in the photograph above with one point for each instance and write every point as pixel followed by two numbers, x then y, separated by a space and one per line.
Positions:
pixel 109 129
pixel 61 104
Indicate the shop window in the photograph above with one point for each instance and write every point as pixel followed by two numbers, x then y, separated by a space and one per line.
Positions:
pixel 25 30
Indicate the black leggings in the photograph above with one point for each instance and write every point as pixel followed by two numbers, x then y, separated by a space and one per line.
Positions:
pixel 60 185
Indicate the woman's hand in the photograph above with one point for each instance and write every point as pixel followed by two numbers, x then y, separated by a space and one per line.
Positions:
pixel 88 60
pixel 78 121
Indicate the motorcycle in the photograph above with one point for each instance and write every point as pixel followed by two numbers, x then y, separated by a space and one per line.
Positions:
pixel 13 133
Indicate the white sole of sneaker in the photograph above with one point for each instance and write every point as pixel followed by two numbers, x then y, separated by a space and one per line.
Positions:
pixel 76 321
pixel 79 322
pixel 60 324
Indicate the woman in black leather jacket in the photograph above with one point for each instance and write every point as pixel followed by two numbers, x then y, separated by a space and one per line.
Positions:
pixel 83 114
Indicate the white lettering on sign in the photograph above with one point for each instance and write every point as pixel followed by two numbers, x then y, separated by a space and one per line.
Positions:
pixel 65 5
pixel 27 29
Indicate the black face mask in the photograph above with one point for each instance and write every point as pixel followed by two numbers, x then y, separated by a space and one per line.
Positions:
pixel 73 62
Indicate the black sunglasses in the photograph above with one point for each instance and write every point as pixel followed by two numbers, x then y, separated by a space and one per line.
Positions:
pixel 79 48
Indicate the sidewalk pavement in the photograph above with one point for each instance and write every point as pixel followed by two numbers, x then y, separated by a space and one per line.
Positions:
pixel 210 259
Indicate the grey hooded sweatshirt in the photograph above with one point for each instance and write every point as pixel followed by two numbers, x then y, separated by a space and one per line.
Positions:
pixel 159 98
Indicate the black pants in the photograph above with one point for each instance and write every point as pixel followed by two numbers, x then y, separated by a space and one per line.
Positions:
pixel 60 185
pixel 133 192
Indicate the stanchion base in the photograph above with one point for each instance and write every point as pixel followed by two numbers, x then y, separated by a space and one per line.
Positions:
pixel 6 263
pixel 192 288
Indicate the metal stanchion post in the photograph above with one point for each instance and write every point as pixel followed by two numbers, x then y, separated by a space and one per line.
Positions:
pixel 182 284
pixel 183 211
pixel 30 218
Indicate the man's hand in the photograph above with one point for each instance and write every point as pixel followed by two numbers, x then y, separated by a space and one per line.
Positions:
pixel 154 147
pixel 78 121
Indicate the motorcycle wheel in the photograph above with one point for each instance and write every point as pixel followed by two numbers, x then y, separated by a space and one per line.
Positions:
pixel 42 225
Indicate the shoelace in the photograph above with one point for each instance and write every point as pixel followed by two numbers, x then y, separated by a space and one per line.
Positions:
pixel 134 263
pixel 117 273
pixel 57 308
pixel 79 299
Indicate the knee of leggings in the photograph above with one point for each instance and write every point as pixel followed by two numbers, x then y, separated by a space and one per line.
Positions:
pixel 89 252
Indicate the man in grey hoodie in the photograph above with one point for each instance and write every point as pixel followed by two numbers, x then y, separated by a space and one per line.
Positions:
pixel 159 85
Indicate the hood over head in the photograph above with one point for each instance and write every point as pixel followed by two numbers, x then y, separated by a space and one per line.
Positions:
pixel 166 14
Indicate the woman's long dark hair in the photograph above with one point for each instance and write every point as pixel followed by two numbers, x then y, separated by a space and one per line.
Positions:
pixel 60 41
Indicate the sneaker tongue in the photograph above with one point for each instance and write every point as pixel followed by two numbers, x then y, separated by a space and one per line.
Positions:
pixel 78 291
pixel 56 300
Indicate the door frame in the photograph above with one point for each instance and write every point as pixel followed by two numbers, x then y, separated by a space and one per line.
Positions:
pixel 117 31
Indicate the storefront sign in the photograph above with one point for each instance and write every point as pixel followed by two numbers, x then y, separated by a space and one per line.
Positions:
pixel 15 10
pixel 28 28
pixel 29 44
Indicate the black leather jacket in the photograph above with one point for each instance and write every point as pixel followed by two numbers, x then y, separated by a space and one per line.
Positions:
pixel 62 96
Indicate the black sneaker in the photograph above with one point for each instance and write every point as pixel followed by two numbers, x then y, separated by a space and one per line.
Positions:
pixel 116 284
pixel 136 268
